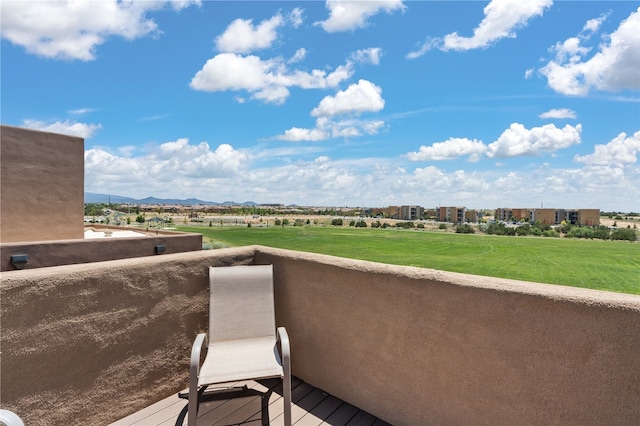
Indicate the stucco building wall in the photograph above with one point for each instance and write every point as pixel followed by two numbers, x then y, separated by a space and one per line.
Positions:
pixel 88 344
pixel 41 185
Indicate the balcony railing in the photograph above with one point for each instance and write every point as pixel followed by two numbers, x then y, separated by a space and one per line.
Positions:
pixel 92 343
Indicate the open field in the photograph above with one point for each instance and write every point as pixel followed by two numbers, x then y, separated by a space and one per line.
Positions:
pixel 595 264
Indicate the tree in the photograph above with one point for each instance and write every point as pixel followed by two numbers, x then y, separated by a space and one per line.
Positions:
pixel 140 219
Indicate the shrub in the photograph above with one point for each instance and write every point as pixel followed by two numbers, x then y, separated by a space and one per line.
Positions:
pixel 464 228
pixel 442 226
pixel 385 225
pixel 361 224
pixel 336 222
pixel 277 222
pixel 405 225
pixel 376 224
pixel 624 234
pixel 523 230
pixel 420 225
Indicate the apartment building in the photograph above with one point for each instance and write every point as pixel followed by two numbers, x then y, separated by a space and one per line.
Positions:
pixel 452 214
pixel 411 212
pixel 584 217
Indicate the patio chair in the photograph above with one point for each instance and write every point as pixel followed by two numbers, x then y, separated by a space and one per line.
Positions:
pixel 243 341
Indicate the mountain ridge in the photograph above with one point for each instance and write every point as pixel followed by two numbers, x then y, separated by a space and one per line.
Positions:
pixel 90 197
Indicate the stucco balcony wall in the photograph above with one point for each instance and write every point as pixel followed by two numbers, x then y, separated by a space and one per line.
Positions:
pixel 43 254
pixel 91 343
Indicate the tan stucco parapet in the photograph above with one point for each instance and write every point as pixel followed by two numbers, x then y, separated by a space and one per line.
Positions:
pixel 41 185
pixel 91 343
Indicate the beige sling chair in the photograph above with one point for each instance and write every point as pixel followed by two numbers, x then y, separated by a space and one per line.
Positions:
pixel 242 343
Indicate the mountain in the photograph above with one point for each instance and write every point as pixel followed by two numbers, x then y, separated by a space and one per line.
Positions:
pixel 90 197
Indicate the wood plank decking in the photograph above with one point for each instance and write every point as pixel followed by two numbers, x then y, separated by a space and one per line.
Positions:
pixel 256 403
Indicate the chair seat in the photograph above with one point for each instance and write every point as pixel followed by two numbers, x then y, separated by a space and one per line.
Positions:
pixel 233 360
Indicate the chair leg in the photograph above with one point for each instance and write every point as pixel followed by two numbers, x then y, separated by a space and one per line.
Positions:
pixel 286 383
pixel 192 410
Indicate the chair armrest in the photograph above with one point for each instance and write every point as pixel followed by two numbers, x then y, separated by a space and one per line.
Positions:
pixel 285 353
pixel 196 349
pixel 194 372
pixel 285 347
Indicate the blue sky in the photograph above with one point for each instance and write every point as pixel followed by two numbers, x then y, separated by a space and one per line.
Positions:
pixel 478 104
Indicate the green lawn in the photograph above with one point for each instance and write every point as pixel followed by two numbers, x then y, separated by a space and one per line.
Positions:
pixel 603 265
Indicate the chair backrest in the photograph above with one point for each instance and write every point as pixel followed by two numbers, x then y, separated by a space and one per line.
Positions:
pixel 241 304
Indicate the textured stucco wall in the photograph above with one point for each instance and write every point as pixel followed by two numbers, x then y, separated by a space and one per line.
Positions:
pixel 88 344
pixel 42 185
pixel 65 252
pixel 419 347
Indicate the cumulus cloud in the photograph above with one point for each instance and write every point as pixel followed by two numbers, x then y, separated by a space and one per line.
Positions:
pixel 67 127
pixel 450 149
pixel 621 150
pixel 177 164
pixel 558 113
pixel 241 36
pixel 72 30
pixel 501 19
pixel 180 168
pixel 519 141
pixel 347 15
pixel 338 116
pixel 268 80
pixel 357 98
pixel 613 68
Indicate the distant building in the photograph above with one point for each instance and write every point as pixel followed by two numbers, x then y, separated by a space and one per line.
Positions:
pixel 411 212
pixel 451 214
pixel 584 217
pixel 400 212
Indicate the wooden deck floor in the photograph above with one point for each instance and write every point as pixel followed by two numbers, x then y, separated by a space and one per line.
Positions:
pixel 256 403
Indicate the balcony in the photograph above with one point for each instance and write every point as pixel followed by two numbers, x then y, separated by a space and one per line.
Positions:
pixel 93 343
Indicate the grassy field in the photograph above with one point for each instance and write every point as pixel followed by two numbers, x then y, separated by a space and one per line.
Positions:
pixel 596 264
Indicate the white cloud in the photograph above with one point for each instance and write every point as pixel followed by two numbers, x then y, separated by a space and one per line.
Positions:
pixel 450 149
pixel 268 80
pixel 613 68
pixel 296 17
pixel 176 164
pixel 241 36
pixel 621 150
pixel 298 56
pixel 327 128
pixel 73 30
pixel 502 18
pixel 559 113
pixel 181 169
pixel 297 134
pixel 357 98
pixel 347 15
pixel 81 111
pixel 67 127
pixel 371 55
pixel 520 141
pixel 348 104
